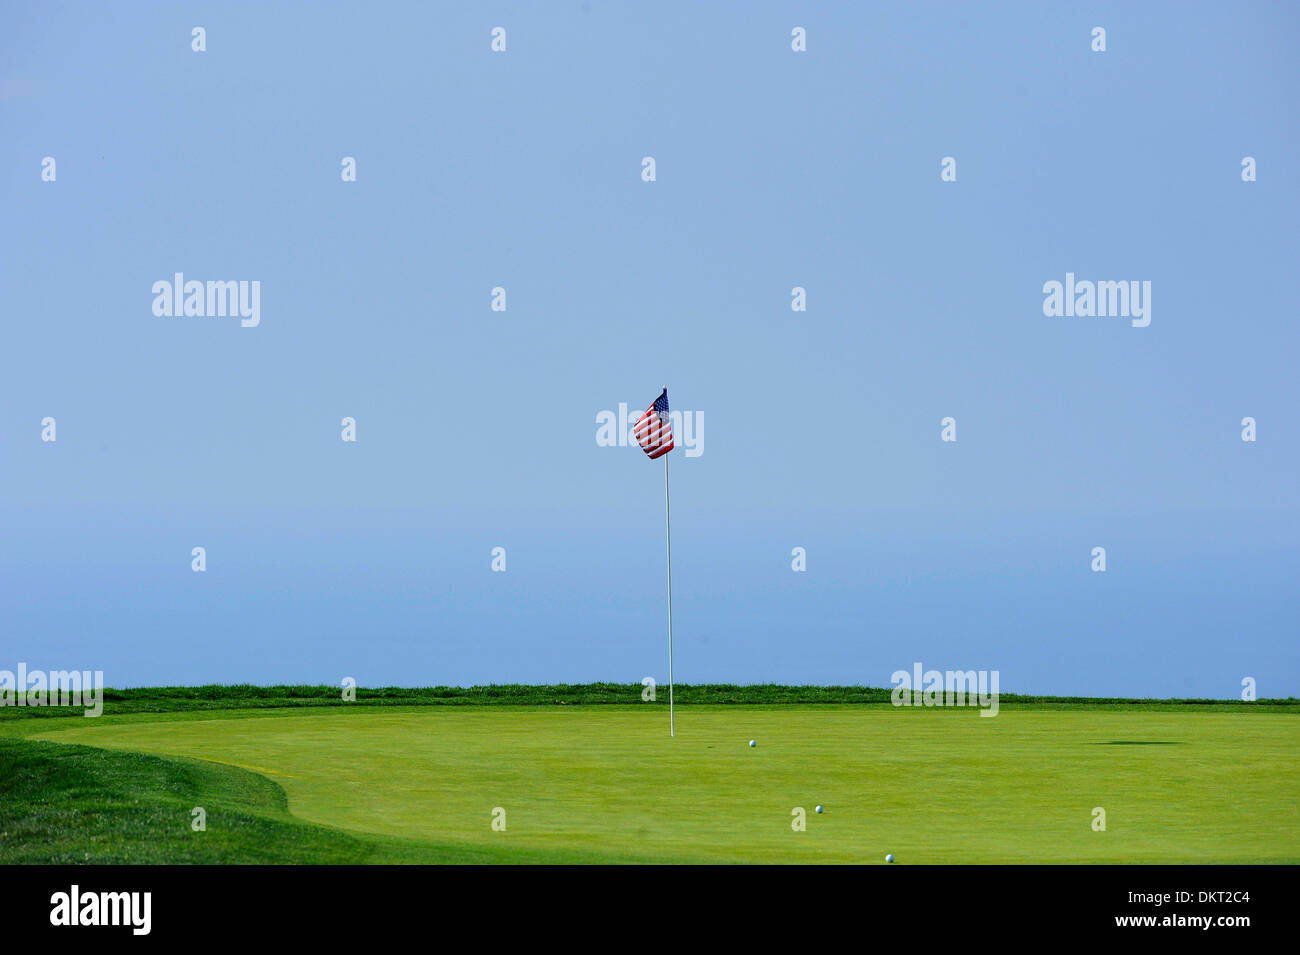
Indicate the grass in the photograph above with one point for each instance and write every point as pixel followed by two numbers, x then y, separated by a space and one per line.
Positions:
pixel 64 804
pixel 389 782
pixel 70 804
pixel 172 699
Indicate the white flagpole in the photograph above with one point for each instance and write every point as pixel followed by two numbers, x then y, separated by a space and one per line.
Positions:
pixel 668 526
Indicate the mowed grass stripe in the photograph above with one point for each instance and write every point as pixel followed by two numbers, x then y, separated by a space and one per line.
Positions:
pixel 927 785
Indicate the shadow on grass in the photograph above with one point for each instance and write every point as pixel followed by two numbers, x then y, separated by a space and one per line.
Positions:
pixel 1140 742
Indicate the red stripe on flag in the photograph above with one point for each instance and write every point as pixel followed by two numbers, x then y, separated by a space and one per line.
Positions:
pixel 654 433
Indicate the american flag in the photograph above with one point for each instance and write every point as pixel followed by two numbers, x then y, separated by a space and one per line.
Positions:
pixel 654 430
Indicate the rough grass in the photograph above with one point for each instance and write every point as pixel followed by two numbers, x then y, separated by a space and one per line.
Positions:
pixel 76 804
pixel 66 804
pixel 169 699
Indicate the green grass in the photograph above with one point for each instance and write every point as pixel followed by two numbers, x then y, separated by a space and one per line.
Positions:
pixel 70 804
pixel 170 699
pixel 64 804
pixel 393 783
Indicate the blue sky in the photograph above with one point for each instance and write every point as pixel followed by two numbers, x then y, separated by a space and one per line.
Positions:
pixel 476 428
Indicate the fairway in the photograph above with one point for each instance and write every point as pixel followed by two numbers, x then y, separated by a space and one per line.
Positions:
pixel 930 786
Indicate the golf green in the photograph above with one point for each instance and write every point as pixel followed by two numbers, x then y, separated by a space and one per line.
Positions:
pixel 926 785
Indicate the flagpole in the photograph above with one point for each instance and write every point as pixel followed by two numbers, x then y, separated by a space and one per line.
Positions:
pixel 668 527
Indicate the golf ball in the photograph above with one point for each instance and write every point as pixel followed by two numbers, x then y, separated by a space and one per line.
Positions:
pixel 753 742
pixel 819 808
pixel 889 858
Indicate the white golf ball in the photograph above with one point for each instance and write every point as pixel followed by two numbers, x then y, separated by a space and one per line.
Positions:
pixel 819 808
pixel 889 858
pixel 753 742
